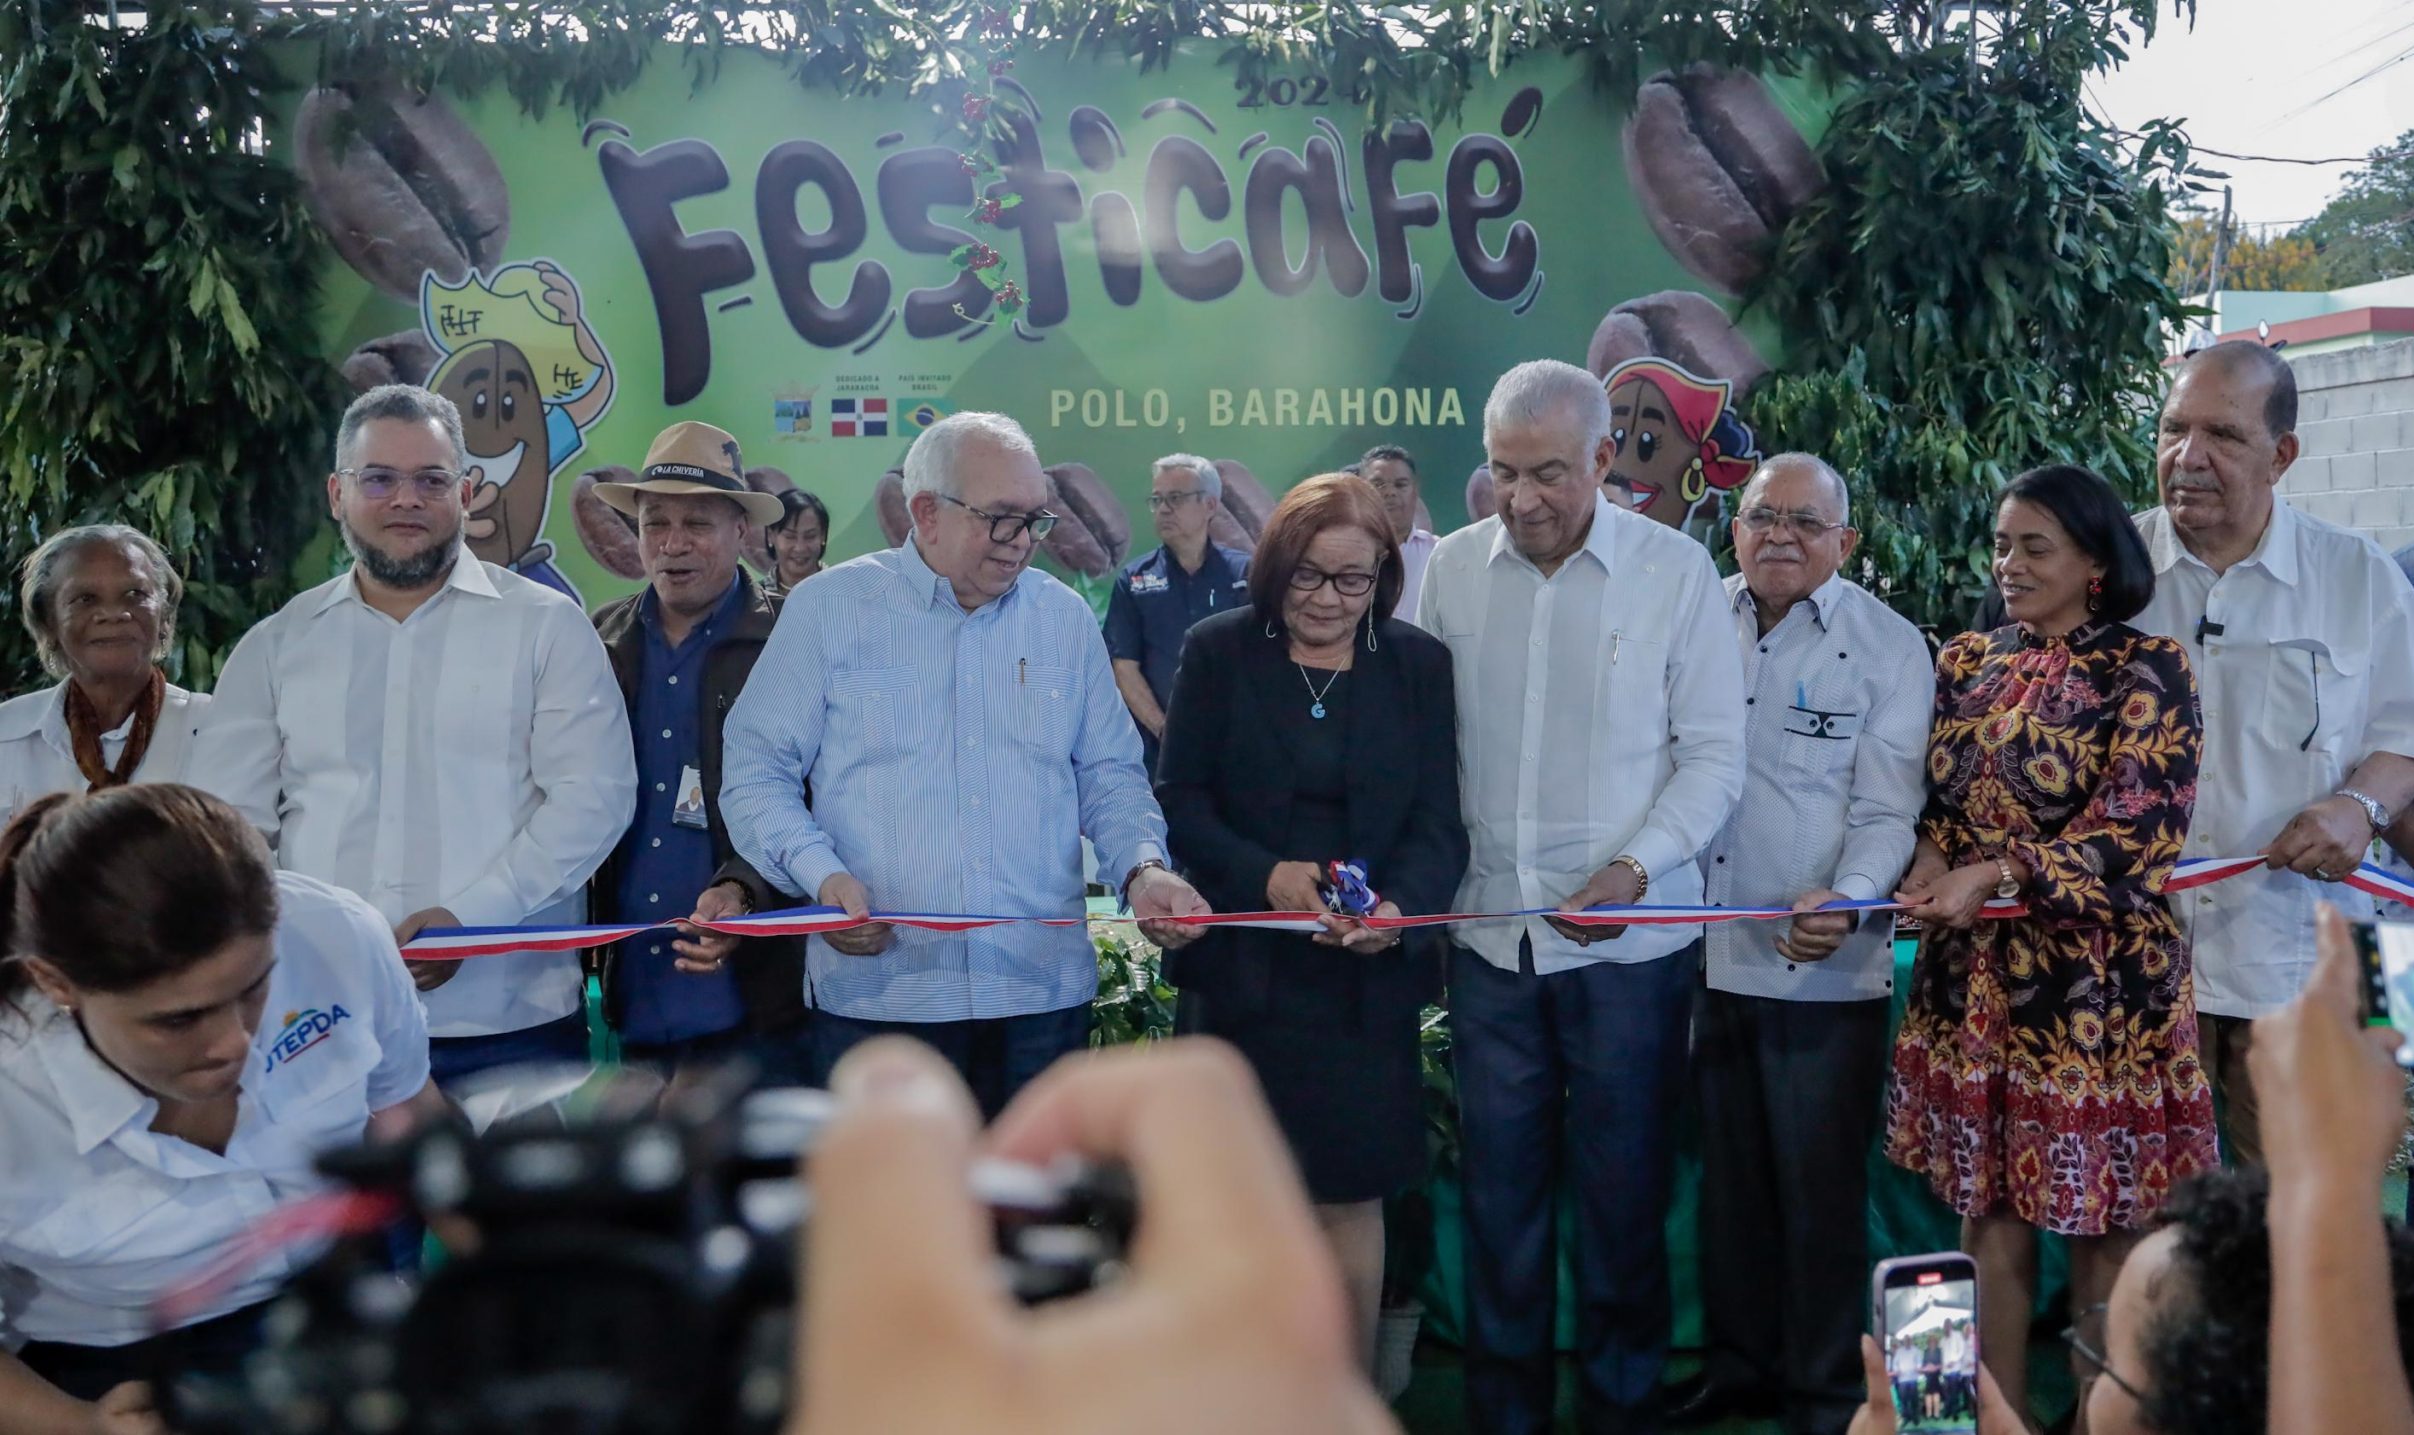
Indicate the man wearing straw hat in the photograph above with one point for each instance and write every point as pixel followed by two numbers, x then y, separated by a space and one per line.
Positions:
pixel 957 719
pixel 682 651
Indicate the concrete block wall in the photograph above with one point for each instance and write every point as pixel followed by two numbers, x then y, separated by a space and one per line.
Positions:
pixel 2355 418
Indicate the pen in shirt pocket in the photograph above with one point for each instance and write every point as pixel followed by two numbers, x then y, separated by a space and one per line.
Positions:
pixel 1021 673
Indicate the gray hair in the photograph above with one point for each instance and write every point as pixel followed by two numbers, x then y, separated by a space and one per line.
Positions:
pixel 45 568
pixel 930 465
pixel 1211 482
pixel 1542 389
pixel 407 402
pixel 1778 462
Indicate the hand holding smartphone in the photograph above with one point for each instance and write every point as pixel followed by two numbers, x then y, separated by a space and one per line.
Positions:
pixel 2386 952
pixel 1926 1319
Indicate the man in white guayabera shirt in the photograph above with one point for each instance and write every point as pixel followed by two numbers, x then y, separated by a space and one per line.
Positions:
pixel 2302 637
pixel 436 733
pixel 1601 739
pixel 1790 1042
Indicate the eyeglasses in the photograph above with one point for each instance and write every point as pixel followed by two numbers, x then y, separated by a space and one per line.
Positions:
pixel 1805 526
pixel 2094 1358
pixel 1007 527
pixel 1167 502
pixel 380 482
pixel 1349 585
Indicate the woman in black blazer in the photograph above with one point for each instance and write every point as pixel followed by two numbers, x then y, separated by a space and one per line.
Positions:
pixel 1308 727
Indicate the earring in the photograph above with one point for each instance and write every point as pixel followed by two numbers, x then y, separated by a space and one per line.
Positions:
pixel 2095 593
pixel 1370 630
pixel 1270 629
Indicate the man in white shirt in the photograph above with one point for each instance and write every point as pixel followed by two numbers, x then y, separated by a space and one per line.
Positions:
pixel 436 733
pixel 1601 745
pixel 1791 1041
pixel 2302 637
pixel 1393 472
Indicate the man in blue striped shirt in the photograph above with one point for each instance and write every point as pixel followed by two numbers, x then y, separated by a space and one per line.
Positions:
pixel 957 719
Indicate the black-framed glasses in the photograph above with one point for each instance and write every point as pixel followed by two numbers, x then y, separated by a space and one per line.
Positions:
pixel 378 481
pixel 1305 579
pixel 1804 526
pixel 2093 1358
pixel 1006 527
pixel 1167 502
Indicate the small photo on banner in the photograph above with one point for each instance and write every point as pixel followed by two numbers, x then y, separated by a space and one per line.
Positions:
pixel 792 416
pixel 859 418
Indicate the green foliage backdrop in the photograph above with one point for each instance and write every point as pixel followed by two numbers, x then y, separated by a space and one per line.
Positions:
pixel 1980 290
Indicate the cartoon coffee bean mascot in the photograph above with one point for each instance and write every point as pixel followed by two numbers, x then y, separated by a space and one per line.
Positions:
pixel 529 377
pixel 1676 440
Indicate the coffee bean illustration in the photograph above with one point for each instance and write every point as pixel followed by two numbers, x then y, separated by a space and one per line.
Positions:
pixel 1244 498
pixel 1683 327
pixel 400 184
pixel 404 358
pixel 608 537
pixel 1718 169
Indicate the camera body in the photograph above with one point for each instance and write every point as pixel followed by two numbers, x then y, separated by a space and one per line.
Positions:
pixel 609 1269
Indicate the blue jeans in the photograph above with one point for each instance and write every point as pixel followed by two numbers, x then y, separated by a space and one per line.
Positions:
pixel 451 1058
pixel 1568 1079
pixel 997 1056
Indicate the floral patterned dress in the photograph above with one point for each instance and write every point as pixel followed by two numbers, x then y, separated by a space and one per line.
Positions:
pixel 2047 1065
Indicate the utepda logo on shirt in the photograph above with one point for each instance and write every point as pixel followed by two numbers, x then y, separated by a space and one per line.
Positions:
pixel 303 1030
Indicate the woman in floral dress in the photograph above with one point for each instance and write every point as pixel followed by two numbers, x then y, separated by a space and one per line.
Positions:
pixel 2046 1076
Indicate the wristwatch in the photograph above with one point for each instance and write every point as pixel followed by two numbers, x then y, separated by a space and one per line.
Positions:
pixel 2009 887
pixel 2374 808
pixel 1134 875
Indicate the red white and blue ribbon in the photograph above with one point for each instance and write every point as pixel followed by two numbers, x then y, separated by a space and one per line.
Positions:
pixel 456 943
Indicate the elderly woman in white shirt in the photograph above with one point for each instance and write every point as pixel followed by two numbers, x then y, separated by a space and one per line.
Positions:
pixel 100 601
pixel 152 1114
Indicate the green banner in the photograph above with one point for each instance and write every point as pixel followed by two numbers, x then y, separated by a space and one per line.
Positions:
pixel 1239 268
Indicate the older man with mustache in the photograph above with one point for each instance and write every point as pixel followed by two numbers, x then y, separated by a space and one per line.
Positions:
pixel 2302 637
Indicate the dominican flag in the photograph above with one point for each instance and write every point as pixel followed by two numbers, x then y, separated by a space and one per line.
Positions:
pixel 867 418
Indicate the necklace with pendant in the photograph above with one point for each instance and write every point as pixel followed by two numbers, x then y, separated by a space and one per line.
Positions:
pixel 1315 693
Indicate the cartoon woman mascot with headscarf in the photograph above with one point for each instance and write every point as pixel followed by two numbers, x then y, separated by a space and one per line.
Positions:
pixel 1677 441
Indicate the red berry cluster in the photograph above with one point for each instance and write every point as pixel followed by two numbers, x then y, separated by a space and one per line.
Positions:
pixel 987 211
pixel 976 108
pixel 1009 297
pixel 983 256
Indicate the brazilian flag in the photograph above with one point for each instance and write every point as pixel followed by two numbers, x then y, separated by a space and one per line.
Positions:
pixel 922 413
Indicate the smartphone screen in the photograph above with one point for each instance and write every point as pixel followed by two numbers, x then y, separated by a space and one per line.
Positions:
pixel 1927 1319
pixel 2386 950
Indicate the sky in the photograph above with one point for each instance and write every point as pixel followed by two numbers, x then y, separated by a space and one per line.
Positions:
pixel 2249 77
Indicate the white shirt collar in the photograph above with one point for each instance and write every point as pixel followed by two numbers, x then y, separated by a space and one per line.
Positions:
pixel 2275 552
pixel 97 1102
pixel 1823 599
pixel 1601 540
pixel 468 575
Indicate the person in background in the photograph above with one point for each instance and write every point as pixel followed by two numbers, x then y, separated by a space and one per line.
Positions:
pixel 100 604
pixel 1160 595
pixel 155 1109
pixel 682 650
pixel 1790 1044
pixel 2298 632
pixel 1601 720
pixel 953 717
pixel 1393 472
pixel 798 537
pixel 436 733
pixel 2046 1074
pixel 1309 727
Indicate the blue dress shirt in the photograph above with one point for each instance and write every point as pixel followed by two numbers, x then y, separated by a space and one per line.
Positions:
pixel 664 867
pixel 956 760
pixel 1155 602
